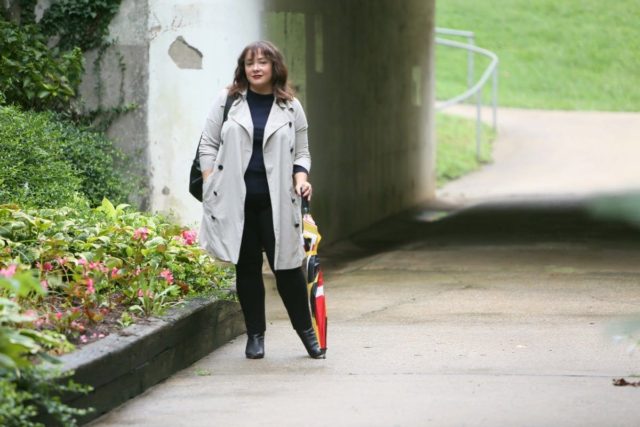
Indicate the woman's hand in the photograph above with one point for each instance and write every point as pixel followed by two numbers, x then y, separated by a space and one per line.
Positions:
pixel 205 174
pixel 302 186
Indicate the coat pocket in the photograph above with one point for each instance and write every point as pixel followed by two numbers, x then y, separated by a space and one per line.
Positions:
pixel 209 189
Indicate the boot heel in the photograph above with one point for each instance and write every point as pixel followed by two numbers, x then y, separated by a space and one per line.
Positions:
pixel 310 342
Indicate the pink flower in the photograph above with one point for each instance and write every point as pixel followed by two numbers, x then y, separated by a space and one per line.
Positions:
pixel 90 288
pixel 82 261
pixel 47 266
pixel 98 266
pixel 61 261
pixel 115 273
pixel 9 271
pixel 59 315
pixel 141 234
pixel 167 275
pixel 189 237
pixel 147 293
pixel 83 339
pixel 44 284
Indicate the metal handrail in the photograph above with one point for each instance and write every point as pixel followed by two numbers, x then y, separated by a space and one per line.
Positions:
pixel 471 39
pixel 491 71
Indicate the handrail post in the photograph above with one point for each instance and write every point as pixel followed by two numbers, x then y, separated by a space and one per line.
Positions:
pixel 470 63
pixel 476 89
pixel 494 96
pixel 478 123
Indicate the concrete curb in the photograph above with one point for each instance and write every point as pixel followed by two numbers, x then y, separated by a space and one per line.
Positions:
pixel 123 365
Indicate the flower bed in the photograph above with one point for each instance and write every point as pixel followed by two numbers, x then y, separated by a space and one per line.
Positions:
pixel 69 276
pixel 100 268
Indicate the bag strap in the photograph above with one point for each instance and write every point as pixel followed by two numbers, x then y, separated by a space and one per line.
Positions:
pixel 227 107
pixel 225 115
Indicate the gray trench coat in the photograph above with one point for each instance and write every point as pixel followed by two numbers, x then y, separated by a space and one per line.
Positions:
pixel 226 148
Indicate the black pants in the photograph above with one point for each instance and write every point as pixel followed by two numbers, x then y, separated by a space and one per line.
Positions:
pixel 292 287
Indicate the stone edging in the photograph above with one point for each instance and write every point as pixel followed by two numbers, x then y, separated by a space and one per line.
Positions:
pixel 123 365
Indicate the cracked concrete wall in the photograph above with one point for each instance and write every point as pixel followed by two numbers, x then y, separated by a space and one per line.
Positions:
pixel 184 55
pixel 193 48
pixel 177 55
pixel 123 78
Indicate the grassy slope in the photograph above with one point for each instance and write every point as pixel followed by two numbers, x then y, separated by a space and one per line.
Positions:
pixel 554 54
pixel 456 150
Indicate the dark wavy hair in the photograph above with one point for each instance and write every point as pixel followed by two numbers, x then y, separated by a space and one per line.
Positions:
pixel 282 89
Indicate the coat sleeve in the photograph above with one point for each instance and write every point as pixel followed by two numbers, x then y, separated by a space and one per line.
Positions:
pixel 302 156
pixel 210 139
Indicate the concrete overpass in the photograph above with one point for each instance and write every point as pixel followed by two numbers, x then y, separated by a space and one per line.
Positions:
pixel 363 69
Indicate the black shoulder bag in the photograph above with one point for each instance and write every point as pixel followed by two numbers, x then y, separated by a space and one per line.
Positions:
pixel 195 175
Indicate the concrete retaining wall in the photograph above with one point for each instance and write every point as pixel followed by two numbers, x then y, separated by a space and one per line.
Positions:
pixel 123 365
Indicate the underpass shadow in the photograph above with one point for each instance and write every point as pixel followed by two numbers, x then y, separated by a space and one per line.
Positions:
pixel 605 221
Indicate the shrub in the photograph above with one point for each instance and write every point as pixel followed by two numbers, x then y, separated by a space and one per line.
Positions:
pixel 45 162
pixel 30 391
pixel 34 76
pixel 101 166
pixel 33 170
pixel 35 394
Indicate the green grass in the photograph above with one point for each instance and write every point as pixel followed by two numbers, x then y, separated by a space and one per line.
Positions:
pixel 456 147
pixel 554 54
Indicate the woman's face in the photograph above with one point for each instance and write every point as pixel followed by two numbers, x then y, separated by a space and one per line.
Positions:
pixel 259 72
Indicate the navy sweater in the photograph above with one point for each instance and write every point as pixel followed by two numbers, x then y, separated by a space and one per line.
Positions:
pixel 255 177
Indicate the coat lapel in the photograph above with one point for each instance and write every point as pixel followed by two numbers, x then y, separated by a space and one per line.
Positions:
pixel 277 118
pixel 242 115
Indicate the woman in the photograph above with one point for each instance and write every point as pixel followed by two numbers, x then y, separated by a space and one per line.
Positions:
pixel 255 166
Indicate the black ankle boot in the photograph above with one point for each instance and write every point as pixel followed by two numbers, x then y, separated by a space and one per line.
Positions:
pixel 308 337
pixel 255 346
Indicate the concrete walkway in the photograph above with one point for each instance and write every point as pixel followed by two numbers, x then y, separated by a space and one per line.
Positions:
pixel 496 315
pixel 553 153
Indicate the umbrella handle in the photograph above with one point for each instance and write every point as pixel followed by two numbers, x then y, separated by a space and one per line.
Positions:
pixel 306 206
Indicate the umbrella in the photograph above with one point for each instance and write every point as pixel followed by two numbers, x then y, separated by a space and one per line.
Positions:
pixel 315 282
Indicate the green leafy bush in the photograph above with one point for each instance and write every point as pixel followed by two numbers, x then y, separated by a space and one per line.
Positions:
pixel 35 394
pixel 33 168
pixel 30 391
pixel 46 162
pixel 101 166
pixel 20 345
pixel 34 76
